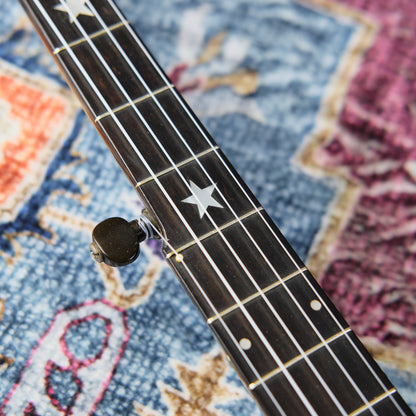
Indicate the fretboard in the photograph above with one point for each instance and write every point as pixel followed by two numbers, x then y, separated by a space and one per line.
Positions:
pixel 292 349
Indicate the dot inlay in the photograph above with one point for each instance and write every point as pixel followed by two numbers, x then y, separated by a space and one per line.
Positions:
pixel 316 305
pixel 245 343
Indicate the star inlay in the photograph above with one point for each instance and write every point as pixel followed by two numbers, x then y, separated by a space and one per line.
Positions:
pixel 202 198
pixel 77 7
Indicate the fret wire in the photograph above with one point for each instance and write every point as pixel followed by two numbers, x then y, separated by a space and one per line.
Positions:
pixel 83 71
pixel 229 288
pixel 181 102
pixel 224 325
pixel 178 165
pixel 326 387
pixel 373 402
pixel 255 384
pixel 94 35
pixel 267 289
pixel 106 105
pixel 214 232
pixel 135 101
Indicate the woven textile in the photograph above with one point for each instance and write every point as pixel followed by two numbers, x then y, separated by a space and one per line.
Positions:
pixel 313 101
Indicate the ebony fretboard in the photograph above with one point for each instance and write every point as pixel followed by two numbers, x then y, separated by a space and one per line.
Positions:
pixel 292 349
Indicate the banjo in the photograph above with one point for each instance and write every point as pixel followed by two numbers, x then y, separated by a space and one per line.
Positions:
pixel 292 349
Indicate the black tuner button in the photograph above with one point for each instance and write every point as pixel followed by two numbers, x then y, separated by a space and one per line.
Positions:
pixel 116 242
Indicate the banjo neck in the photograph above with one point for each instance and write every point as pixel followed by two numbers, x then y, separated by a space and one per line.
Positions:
pixel 292 349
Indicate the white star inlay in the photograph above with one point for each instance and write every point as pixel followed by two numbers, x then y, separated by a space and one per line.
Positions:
pixel 77 7
pixel 202 198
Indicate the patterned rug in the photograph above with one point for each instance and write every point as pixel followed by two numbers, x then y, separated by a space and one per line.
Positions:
pixel 313 101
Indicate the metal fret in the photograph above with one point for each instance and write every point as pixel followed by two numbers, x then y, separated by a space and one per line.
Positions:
pixel 134 102
pixel 300 357
pixel 177 166
pixel 213 242
pixel 175 252
pixel 94 35
pixel 256 295
pixel 373 402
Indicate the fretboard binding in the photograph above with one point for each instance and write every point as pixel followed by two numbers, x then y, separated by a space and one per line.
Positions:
pixel 256 295
pixel 176 167
pixel 94 35
pixel 223 227
pixel 373 402
pixel 134 102
pixel 300 357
